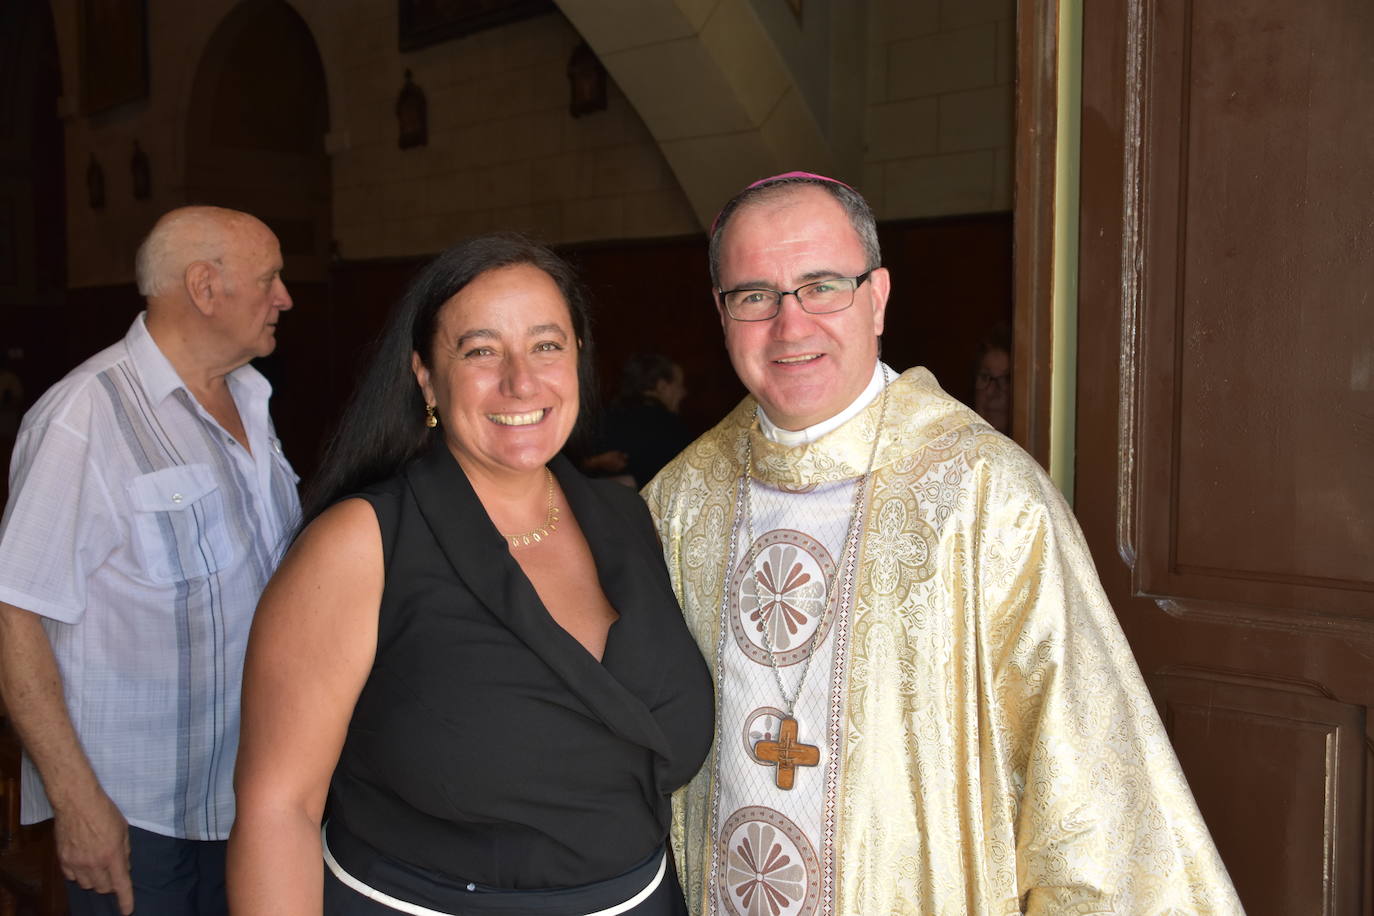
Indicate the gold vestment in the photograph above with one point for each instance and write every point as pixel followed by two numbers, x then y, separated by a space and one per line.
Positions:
pixel 1001 753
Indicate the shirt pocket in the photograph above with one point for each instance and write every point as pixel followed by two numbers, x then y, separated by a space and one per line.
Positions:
pixel 180 529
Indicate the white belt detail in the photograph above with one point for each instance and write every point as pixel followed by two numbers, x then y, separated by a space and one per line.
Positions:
pixel 386 899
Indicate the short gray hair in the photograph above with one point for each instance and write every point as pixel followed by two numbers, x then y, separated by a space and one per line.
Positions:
pixel 855 207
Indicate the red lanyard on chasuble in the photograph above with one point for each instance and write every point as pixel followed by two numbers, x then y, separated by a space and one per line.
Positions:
pixel 788 752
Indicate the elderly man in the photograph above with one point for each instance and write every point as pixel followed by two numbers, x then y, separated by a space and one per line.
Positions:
pixel 925 703
pixel 149 503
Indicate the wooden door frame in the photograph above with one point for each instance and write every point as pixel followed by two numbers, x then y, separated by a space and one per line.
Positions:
pixel 1037 112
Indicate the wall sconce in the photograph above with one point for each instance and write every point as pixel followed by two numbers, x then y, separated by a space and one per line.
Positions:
pixel 586 82
pixel 142 174
pixel 412 116
pixel 95 185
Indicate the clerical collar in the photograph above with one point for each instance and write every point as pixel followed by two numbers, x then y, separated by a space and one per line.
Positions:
pixel 791 438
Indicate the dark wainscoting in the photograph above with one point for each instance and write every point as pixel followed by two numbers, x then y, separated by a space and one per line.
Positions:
pixel 951 284
pixel 57 337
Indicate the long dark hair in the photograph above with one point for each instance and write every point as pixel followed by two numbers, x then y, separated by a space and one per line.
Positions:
pixel 383 425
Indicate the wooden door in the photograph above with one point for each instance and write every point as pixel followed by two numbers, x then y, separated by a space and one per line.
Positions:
pixel 1225 448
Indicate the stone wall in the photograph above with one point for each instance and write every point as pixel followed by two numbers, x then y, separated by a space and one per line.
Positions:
pixel 941 107
pixel 503 150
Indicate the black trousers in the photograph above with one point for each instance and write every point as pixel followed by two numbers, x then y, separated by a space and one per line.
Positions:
pixel 171 877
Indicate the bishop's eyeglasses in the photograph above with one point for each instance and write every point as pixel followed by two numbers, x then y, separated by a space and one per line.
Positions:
pixel 819 298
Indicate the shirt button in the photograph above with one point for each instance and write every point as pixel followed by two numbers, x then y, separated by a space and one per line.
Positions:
pixel 177 497
pixel 471 886
pixel 276 446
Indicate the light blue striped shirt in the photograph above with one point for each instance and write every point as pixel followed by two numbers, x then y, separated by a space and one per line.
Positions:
pixel 143 533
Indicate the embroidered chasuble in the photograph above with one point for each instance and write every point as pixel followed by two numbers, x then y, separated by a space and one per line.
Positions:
pixel 983 741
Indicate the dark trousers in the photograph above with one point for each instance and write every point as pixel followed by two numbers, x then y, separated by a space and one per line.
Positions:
pixel 171 877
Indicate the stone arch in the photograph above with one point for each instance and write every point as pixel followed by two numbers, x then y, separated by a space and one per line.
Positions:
pixel 255 128
pixel 735 90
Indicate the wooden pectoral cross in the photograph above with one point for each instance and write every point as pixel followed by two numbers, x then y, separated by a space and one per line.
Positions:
pixel 787 753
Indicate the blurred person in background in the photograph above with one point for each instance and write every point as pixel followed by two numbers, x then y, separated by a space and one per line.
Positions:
pixel 641 430
pixel 992 379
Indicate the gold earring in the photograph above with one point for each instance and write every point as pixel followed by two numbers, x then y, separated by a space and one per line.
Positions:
pixel 430 419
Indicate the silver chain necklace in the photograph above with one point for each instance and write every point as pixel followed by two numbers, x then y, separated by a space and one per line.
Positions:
pixel 786 753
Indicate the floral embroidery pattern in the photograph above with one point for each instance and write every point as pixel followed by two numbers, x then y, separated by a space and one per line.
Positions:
pixel 783 592
pixel 899 540
pixel 785 597
pixel 764 877
pixel 770 869
pixel 946 492
pixel 700 553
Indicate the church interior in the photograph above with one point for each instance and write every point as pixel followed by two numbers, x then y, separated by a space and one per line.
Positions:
pixel 1168 205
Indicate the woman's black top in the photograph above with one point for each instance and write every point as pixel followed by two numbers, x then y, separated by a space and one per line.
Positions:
pixel 488 745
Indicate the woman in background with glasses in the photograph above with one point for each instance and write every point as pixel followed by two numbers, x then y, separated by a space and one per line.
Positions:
pixel 992 379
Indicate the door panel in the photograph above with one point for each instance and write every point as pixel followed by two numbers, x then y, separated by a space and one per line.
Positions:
pixel 1301 784
pixel 1226 411
pixel 1257 325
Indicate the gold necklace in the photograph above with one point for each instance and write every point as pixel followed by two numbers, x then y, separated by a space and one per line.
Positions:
pixel 545 530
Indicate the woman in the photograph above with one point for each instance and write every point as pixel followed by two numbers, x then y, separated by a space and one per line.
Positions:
pixel 642 431
pixel 992 379
pixel 473 652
